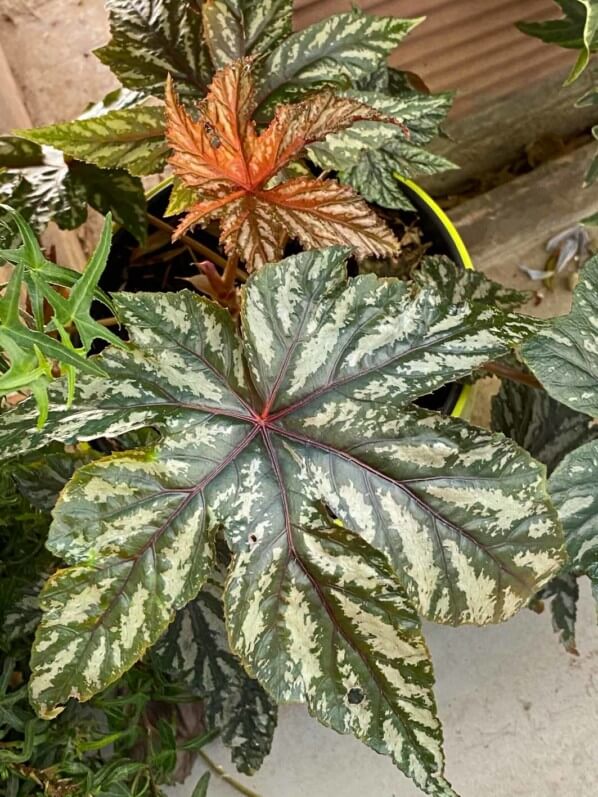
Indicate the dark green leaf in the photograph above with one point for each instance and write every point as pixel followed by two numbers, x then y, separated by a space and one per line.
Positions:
pixel 238 28
pixel 564 592
pixel 195 650
pixel 154 38
pixel 546 428
pixel 116 192
pixel 564 356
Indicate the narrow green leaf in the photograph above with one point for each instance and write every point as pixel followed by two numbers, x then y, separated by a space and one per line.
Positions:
pixel 154 38
pixel 201 788
pixel 238 28
pixel 116 192
pixel 132 139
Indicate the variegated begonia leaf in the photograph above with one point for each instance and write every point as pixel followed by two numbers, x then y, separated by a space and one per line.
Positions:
pixel 576 30
pixel 39 185
pixel 543 426
pixel 271 438
pixel 151 39
pixel 564 355
pixel 234 29
pixel 573 490
pixel 195 650
pixel 467 285
pixel 43 187
pixel 338 51
pixel 548 430
pixel 132 139
pixel 369 154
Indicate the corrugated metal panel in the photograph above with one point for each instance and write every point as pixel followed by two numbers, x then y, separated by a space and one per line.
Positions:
pixel 471 46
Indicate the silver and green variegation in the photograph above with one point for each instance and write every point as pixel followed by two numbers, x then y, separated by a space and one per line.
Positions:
pixel 573 490
pixel 195 650
pixel 564 355
pixel 153 38
pixel 274 437
pixel 549 431
pixel 238 28
pixel 368 155
pixel 565 359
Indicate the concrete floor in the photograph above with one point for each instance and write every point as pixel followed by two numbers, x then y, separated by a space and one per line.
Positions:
pixel 520 715
pixel 520 720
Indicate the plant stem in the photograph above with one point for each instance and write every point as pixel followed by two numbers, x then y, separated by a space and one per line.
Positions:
pixel 221 773
pixel 514 374
pixel 194 245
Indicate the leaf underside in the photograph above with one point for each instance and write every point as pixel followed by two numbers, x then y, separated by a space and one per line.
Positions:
pixel 276 438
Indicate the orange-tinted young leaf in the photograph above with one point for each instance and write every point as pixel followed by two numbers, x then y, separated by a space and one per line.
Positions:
pixel 230 165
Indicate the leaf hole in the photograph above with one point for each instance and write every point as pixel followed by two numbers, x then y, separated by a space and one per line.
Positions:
pixel 355 696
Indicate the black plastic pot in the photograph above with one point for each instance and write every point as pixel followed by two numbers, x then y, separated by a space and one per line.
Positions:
pixel 437 228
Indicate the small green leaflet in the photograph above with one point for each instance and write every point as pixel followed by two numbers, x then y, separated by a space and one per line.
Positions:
pixel 195 651
pixel 154 38
pixel 573 490
pixel 577 30
pixel 234 29
pixel 27 348
pixel 338 51
pixel 564 355
pixel 271 438
pixel 130 139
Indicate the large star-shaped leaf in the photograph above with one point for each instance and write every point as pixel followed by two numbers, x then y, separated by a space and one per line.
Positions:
pixel 275 437
pixel 231 167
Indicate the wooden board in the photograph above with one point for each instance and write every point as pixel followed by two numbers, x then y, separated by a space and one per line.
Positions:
pixel 509 226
